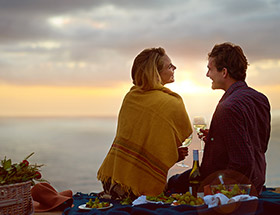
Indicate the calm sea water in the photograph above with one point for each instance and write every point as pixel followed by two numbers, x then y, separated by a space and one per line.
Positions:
pixel 72 149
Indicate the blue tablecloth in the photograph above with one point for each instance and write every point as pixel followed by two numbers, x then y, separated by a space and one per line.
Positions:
pixel 268 203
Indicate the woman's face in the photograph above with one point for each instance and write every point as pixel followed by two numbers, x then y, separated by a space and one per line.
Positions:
pixel 167 72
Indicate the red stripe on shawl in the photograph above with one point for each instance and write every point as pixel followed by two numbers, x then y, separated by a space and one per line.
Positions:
pixel 158 177
pixel 138 156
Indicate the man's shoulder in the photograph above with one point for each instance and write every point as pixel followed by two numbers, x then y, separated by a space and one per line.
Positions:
pixel 250 94
pixel 244 93
pixel 244 99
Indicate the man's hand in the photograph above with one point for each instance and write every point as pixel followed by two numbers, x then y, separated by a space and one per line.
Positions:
pixel 204 134
pixel 183 152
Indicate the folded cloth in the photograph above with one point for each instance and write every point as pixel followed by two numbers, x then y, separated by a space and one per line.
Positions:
pixel 215 200
pixel 143 200
pixel 221 199
pixel 241 198
pixel 151 126
pixel 270 195
pixel 46 198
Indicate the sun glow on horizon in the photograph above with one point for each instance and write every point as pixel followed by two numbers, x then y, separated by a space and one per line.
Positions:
pixel 51 100
pixel 26 100
pixel 188 87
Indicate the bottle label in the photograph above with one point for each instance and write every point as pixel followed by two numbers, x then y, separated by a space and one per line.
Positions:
pixel 195 155
pixel 190 189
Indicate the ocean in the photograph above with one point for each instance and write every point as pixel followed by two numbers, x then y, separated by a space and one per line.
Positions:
pixel 73 148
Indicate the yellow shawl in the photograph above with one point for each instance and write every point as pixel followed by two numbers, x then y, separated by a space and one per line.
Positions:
pixel 151 126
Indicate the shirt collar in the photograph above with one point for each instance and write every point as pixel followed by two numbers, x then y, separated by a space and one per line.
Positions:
pixel 232 88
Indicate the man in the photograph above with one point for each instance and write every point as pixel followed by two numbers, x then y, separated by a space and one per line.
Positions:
pixel 237 139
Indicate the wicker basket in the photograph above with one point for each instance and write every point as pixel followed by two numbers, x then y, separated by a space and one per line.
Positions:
pixel 16 199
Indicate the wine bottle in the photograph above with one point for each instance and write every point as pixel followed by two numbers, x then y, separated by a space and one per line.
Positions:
pixel 194 178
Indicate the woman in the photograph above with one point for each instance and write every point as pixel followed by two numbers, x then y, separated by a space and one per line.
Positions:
pixel 152 124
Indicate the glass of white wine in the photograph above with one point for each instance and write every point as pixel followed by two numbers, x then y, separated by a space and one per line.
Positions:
pixel 199 123
pixel 186 143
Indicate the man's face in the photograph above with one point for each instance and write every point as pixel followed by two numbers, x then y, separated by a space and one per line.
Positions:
pixel 216 76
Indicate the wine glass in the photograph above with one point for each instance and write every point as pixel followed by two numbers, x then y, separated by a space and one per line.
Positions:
pixel 199 123
pixel 186 143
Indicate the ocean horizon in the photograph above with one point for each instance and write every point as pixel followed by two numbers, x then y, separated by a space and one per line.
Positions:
pixel 72 148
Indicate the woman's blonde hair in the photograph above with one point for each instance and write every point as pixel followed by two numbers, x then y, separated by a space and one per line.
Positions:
pixel 146 68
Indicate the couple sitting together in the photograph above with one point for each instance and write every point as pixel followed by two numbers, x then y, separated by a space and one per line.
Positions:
pixel 153 123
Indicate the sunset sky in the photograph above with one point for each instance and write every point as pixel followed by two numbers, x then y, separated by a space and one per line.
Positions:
pixel 73 57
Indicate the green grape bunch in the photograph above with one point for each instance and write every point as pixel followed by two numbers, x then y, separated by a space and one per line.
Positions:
pixel 96 203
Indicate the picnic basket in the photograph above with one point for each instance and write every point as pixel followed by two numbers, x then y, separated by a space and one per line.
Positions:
pixel 16 199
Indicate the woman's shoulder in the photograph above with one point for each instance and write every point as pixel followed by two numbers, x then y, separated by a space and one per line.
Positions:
pixel 162 92
pixel 169 93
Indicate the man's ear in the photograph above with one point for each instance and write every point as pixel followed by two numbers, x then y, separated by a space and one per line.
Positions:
pixel 225 72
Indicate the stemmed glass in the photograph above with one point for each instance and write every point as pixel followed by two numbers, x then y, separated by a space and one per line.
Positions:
pixel 199 123
pixel 186 143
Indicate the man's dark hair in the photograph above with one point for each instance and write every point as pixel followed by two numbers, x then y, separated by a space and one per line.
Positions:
pixel 231 57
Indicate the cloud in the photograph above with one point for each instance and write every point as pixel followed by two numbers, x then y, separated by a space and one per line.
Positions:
pixel 261 69
pixel 86 42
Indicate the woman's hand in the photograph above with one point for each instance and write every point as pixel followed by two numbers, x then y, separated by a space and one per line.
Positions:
pixel 203 134
pixel 183 152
